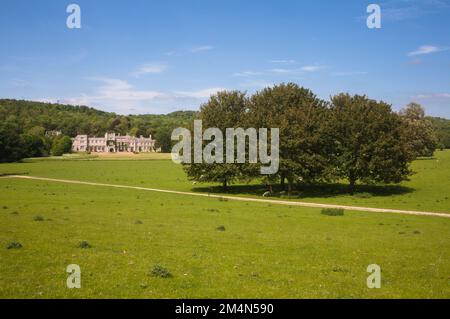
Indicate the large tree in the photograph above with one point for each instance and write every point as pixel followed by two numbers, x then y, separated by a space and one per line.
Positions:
pixel 223 110
pixel 368 141
pixel 10 142
pixel 61 145
pixel 163 139
pixel 419 130
pixel 300 115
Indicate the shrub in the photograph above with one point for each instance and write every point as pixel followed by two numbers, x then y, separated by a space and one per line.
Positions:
pixel 333 211
pixel 220 228
pixel 138 222
pixel 160 271
pixel 84 244
pixel 14 245
pixel 38 218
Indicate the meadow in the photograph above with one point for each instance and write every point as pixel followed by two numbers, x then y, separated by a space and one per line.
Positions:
pixel 215 248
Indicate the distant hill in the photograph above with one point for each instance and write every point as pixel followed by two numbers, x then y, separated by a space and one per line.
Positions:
pixel 73 120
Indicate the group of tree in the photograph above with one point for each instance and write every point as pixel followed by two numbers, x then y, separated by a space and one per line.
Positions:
pixel 350 137
pixel 16 144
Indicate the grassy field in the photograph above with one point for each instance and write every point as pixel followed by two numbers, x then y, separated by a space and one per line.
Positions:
pixel 428 189
pixel 262 250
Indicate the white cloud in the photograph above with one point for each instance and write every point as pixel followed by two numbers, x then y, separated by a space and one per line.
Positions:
pixel 123 98
pixel 171 53
pixel 115 94
pixel 19 83
pixel 283 61
pixel 349 73
pixel 281 71
pixel 312 68
pixel 246 74
pixel 399 10
pixel 432 96
pixel 306 68
pixel 426 49
pixel 202 48
pixel 119 90
pixel 256 84
pixel 200 94
pixel 150 68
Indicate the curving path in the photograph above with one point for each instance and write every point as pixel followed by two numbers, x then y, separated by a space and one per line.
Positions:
pixel 235 198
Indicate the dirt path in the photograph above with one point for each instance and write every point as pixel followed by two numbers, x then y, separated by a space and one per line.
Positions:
pixel 242 199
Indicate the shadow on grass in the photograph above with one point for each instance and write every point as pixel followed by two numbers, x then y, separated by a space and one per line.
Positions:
pixel 426 159
pixel 312 191
pixel 13 174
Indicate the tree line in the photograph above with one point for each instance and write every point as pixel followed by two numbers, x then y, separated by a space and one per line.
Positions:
pixel 24 124
pixel 350 137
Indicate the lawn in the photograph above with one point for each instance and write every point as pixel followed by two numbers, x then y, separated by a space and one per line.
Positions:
pixel 213 248
pixel 428 189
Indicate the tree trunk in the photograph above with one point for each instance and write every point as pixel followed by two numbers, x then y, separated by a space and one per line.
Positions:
pixel 224 185
pixel 352 180
pixel 282 183
pixel 290 184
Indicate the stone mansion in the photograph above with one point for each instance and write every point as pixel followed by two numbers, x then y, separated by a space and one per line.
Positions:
pixel 113 143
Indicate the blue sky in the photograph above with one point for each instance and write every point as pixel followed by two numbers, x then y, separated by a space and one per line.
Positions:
pixel 143 56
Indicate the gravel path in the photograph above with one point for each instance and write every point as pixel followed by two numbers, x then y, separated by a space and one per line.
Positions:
pixel 242 199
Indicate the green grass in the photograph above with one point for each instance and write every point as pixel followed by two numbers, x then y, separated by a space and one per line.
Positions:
pixel 428 189
pixel 261 250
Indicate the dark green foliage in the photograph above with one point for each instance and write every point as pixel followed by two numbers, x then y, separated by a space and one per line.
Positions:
pixel 160 271
pixel 223 110
pixel 163 139
pixel 32 146
pixel 369 141
pixel 332 212
pixel 14 245
pixel 220 228
pixel 300 116
pixel 10 142
pixel 442 128
pixel 61 145
pixel 38 218
pixel 84 244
